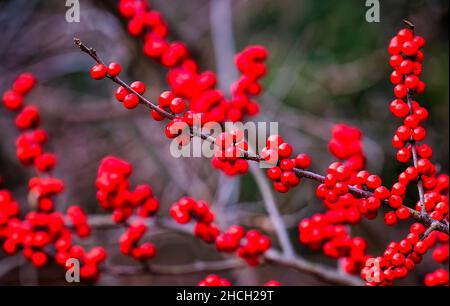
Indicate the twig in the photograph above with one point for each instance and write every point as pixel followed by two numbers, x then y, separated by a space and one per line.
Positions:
pixel 273 212
pixel 322 272
pixel 415 160
pixel 195 267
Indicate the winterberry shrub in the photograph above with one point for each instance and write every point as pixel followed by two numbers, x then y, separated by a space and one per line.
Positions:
pixel 348 191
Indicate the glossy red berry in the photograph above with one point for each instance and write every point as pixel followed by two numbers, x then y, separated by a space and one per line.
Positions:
pixel 121 93
pixel 138 86
pixel 98 71
pixel 177 105
pixel 410 48
pixel 131 101
pixel 114 69
pixel 12 100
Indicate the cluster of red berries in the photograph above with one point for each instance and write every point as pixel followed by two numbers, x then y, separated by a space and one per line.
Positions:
pixel 278 153
pixel 169 102
pixel 230 148
pixel 401 257
pixel 9 209
pixel 253 246
pixel 340 177
pixel 34 234
pixel 38 231
pixel 29 145
pixel 184 77
pixel 130 100
pixel 113 191
pixel 346 144
pixel 101 71
pixel 327 231
pixel 335 184
pixel 42 228
pixel 79 220
pixel 248 245
pixel 128 242
pixel 406 59
pixel 439 277
pixel 250 63
pixel 89 260
pixel 186 209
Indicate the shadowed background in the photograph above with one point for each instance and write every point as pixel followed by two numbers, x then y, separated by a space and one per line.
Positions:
pixel 326 65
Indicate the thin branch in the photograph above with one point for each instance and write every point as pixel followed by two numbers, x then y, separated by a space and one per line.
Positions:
pixel 319 271
pixel 423 210
pixel 191 268
pixel 272 210
pixel 329 275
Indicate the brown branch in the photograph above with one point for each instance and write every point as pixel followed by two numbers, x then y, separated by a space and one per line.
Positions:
pixel 191 268
pixel 425 219
pixel 319 271
pixel 324 273
pixel 415 161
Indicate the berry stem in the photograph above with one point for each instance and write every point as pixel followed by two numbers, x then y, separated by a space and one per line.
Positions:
pixel 415 160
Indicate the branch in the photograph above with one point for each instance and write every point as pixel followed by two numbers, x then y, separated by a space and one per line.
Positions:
pixel 191 268
pixel 273 212
pixel 319 271
pixel 425 219
pixel 423 210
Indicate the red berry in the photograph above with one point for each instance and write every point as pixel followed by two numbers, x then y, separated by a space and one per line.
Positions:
pixel 274 173
pixel 406 67
pixel 410 48
pixel 402 213
pixel 400 91
pixel 114 69
pixel 98 71
pixel 12 100
pixel 396 77
pixel 138 86
pixel 302 161
pixel 131 101
pixel 121 93
pixel 390 218
pixel 24 83
pixel 405 35
pixel 284 150
pixel 411 81
pixel 177 105
pixel 165 98
pixel 373 181
pixel 273 141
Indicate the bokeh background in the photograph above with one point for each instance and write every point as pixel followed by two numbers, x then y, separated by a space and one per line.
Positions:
pixel 326 65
